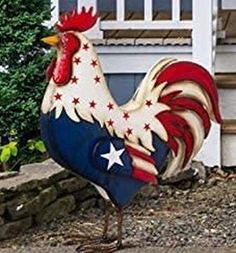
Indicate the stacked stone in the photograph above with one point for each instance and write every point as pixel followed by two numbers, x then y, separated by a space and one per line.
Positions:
pixel 38 194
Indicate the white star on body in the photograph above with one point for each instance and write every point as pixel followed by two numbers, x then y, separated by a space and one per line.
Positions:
pixel 113 156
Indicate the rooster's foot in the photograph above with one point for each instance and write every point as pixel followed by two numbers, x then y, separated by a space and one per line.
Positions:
pixel 83 239
pixel 101 239
pixel 99 248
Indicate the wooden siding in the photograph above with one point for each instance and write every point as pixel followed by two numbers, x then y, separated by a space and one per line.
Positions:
pixel 164 37
pixel 67 5
pixel 123 86
pixel 161 11
pixel 160 5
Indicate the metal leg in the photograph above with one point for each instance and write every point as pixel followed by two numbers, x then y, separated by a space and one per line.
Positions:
pixel 108 211
pixel 119 228
pixel 104 245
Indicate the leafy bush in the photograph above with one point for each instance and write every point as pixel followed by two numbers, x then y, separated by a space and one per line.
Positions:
pixel 24 61
pixel 11 157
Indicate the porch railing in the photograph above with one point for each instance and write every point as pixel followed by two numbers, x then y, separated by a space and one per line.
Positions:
pixel 147 22
pixel 203 24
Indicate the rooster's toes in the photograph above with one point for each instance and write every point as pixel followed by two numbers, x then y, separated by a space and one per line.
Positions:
pixel 97 248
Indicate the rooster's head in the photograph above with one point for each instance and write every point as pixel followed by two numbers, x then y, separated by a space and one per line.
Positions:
pixel 67 43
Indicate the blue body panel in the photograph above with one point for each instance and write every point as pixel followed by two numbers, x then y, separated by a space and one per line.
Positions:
pixel 72 145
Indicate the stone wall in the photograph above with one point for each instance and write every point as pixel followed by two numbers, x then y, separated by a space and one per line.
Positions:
pixel 38 194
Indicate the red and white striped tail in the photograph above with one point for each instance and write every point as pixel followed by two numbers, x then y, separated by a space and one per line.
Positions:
pixel 192 99
pixel 143 164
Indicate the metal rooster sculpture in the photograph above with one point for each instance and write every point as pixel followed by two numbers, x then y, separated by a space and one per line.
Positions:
pixel 119 149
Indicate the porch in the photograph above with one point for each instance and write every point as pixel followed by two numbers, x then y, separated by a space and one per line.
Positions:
pixel 145 34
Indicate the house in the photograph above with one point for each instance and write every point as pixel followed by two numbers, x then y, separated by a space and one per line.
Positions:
pixel 138 33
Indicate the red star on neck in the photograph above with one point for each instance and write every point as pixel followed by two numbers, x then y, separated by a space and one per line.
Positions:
pixel 126 115
pixel 148 103
pixel 147 127
pixel 129 131
pixel 92 104
pixel 58 96
pixel 110 106
pixel 77 60
pixel 74 79
pixel 86 46
pixel 110 122
pixel 75 101
pixel 97 79
pixel 94 63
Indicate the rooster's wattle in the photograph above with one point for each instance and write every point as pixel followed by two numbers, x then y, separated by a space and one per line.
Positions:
pixel 119 149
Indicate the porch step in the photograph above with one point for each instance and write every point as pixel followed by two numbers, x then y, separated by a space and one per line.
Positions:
pixel 226 81
pixel 228 143
pixel 229 126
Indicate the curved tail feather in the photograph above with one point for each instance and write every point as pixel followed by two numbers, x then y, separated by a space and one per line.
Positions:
pixel 185 79
pixel 180 71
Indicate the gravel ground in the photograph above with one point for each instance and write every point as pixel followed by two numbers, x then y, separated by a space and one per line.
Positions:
pixel 200 217
pixel 72 249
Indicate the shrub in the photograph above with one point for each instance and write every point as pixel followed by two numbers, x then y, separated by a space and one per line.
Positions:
pixel 24 60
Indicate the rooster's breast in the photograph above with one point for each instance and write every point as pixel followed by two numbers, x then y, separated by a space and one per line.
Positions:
pixel 69 143
pixel 72 145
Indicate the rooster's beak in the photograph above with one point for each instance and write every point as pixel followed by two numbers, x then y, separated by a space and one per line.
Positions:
pixel 51 40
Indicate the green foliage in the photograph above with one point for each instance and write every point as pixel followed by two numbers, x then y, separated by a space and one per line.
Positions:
pixel 11 156
pixel 7 151
pixel 25 60
pixel 22 84
pixel 5 155
pixel 36 145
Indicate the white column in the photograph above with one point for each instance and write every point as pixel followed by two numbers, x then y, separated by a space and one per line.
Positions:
pixel 148 10
pixel 215 31
pixel 175 10
pixel 120 10
pixel 203 52
pixel 95 32
pixel 202 32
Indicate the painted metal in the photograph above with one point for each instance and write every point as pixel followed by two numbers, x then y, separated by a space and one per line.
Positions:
pixel 203 50
pixel 95 32
pixel 121 148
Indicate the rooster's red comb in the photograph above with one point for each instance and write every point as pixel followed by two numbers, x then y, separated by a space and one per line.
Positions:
pixel 76 21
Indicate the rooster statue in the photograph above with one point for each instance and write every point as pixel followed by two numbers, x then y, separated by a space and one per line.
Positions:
pixel 119 149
